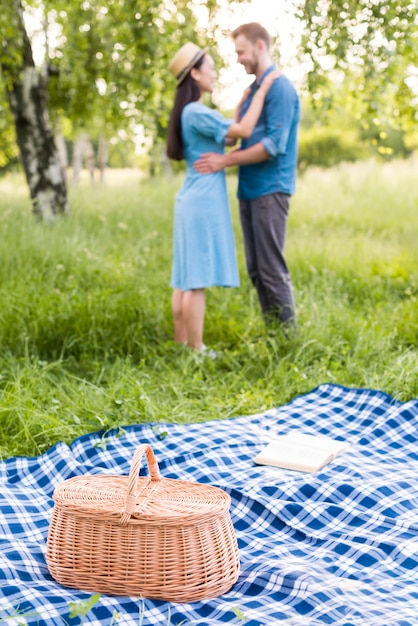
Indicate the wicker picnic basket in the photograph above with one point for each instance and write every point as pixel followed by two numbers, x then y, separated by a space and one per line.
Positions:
pixel 143 536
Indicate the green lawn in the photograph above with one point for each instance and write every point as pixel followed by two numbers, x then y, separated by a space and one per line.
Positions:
pixel 85 321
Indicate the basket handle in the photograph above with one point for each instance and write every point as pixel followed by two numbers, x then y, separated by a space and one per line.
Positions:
pixel 132 499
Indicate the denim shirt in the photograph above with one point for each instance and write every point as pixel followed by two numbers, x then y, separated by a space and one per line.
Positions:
pixel 277 129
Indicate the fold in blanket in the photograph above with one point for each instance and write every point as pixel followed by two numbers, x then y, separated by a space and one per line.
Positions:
pixel 339 546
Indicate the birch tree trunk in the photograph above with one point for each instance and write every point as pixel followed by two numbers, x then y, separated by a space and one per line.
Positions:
pixel 102 156
pixel 159 163
pixel 78 152
pixel 27 96
pixel 89 158
pixel 63 154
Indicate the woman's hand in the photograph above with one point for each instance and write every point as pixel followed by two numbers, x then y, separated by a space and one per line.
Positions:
pixel 269 80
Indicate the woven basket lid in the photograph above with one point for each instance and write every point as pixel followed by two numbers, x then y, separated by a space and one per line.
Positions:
pixel 134 498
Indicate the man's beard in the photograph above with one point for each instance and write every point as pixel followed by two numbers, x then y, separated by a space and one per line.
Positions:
pixel 253 65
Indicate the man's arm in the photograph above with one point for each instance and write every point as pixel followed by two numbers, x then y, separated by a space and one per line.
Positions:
pixel 213 162
pixel 278 122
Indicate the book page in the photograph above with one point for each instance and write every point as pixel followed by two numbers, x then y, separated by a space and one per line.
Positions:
pixel 322 442
pixel 305 453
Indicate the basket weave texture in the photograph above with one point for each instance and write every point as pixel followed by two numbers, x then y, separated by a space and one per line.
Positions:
pixel 142 536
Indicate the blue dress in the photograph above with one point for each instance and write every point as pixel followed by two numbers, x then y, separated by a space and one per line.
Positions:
pixel 203 241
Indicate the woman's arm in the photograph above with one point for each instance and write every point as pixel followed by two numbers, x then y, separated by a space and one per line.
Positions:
pixel 237 112
pixel 231 141
pixel 246 125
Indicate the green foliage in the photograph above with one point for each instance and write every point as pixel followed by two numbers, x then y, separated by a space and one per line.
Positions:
pixel 240 615
pixel 387 142
pixel 17 615
pixel 81 608
pixel 8 146
pixel 122 154
pixel 112 59
pixel 371 44
pixel 341 133
pixel 10 39
pixel 108 59
pixel 11 64
pixel 85 321
pixel 326 147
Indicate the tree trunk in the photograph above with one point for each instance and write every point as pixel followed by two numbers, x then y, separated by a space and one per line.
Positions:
pixel 78 158
pixel 26 92
pixel 102 156
pixel 89 158
pixel 159 162
pixel 63 154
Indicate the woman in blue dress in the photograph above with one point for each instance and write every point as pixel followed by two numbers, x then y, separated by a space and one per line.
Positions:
pixel 203 239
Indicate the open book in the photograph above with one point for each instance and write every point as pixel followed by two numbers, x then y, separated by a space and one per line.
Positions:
pixel 297 451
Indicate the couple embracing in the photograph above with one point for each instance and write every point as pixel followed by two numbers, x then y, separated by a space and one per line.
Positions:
pixel 266 121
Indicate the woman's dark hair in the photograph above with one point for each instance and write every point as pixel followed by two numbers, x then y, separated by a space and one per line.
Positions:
pixel 187 91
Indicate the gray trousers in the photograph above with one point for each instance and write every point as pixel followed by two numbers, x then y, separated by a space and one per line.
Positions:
pixel 263 223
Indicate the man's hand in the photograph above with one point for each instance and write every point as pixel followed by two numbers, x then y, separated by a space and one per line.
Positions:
pixel 209 163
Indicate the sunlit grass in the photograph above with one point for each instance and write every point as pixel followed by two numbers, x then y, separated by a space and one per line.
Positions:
pixel 85 321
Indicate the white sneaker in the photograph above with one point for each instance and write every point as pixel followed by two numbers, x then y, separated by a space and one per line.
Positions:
pixel 211 354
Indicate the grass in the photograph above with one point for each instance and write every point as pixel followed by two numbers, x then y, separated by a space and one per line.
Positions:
pixel 85 321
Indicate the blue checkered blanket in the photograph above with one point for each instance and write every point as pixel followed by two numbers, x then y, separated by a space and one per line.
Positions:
pixel 336 547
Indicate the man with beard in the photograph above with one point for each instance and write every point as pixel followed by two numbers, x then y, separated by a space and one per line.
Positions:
pixel 267 163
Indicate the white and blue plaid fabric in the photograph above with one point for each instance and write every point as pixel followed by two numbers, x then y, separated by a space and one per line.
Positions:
pixel 336 547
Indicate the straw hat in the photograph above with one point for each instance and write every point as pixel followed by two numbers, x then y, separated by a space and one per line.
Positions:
pixel 184 59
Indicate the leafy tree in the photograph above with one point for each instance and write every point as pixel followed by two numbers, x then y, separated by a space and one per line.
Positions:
pixel 372 46
pixel 108 59
pixel 112 59
pixel 8 148
pixel 26 93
